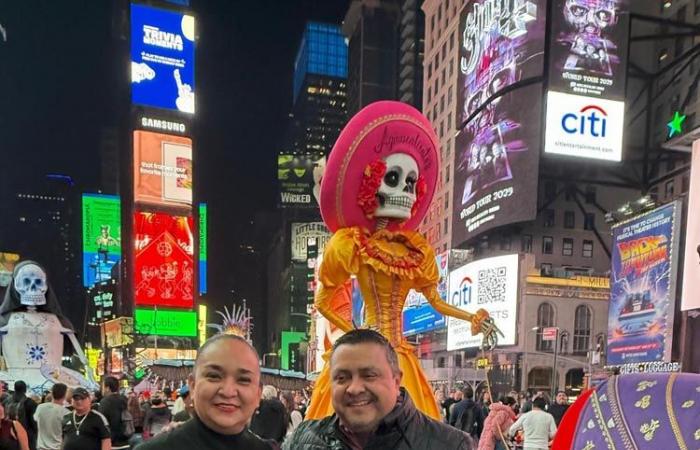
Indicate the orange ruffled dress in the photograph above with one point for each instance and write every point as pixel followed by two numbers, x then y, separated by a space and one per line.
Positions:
pixel 387 265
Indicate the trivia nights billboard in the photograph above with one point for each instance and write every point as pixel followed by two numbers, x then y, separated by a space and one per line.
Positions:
pixel 162 58
pixel 418 315
pixel 643 287
pixel 164 260
pixel 588 54
pixel 299 178
pixel 101 237
pixel 162 170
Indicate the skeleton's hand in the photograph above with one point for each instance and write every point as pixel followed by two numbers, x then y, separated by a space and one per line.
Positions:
pixel 483 323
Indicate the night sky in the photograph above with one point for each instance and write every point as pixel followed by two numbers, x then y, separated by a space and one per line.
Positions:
pixel 58 83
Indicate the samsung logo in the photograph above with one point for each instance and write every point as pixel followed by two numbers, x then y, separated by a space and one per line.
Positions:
pixel 163 125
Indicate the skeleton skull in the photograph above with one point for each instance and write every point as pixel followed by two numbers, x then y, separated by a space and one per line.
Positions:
pixel 397 194
pixel 30 283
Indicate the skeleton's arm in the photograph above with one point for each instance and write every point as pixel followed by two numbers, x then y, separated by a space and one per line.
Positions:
pixel 79 351
pixel 446 309
pixel 323 305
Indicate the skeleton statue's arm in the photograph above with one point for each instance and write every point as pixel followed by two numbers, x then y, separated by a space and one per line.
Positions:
pixel 446 309
pixel 79 351
pixel 323 304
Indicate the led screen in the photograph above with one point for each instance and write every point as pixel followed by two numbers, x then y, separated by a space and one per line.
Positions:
pixel 203 212
pixel 163 260
pixel 299 178
pixel 418 315
pixel 691 262
pixel 165 323
pixel 101 236
pixel 162 58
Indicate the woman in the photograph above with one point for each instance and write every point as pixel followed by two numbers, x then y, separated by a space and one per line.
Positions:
pixel 13 436
pixel 501 416
pixel 295 418
pixel 157 417
pixel 440 399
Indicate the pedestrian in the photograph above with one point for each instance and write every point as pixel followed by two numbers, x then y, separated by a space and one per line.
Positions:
pixel 157 417
pixel 466 414
pixel 112 406
pixel 225 387
pixel 559 407
pixel 293 413
pixel 85 428
pixel 49 418
pixel 496 425
pixel 485 403
pixel 538 426
pixel 137 414
pixel 449 401
pixel 186 413
pixel 271 419
pixel 440 400
pixel 458 397
pixel 372 410
pixel 22 408
pixel 13 436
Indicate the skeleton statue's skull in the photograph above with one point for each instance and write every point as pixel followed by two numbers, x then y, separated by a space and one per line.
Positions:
pixel 30 283
pixel 397 194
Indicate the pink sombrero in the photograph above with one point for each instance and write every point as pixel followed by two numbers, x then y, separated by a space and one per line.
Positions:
pixel 377 131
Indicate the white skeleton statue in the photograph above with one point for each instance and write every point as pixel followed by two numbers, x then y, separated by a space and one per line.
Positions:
pixel 32 334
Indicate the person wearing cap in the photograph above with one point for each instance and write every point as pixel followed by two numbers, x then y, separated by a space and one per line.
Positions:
pixel 85 428
pixel 225 388
pixel 188 408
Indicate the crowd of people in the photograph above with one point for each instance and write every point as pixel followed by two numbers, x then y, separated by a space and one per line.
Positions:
pixel 224 405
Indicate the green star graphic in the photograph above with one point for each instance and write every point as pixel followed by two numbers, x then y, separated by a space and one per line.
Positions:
pixel 674 126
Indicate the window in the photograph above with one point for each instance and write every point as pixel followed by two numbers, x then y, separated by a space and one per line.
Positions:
pixel 452 65
pixel 548 218
pixel 589 221
pixel 505 242
pixel 678 47
pixel 458 360
pixel 569 193
pixel 582 329
pixel 443 76
pixel 669 189
pixel 569 219
pixel 442 103
pixel 448 148
pixel 526 243
pixel 545 318
pixel 449 95
pixel 670 164
pixel 449 120
pixel 444 226
pixel 567 248
pixel 590 194
pixel 447 201
pixel 441 362
pixel 447 174
pixel 587 249
pixel 547 245
pixel 546 269
pixel 685 184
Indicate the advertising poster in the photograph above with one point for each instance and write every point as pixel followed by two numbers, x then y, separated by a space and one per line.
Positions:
pixel 7 266
pixel 101 237
pixel 162 58
pixel 502 43
pixel 203 236
pixel 691 261
pixel 588 54
pixel 299 178
pixel 642 291
pixel 165 323
pixel 301 232
pixel 163 260
pixel 491 284
pixel 118 332
pixel 418 315
pixel 162 169
pixel 496 165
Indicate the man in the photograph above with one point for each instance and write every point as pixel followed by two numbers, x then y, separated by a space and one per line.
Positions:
pixel 448 403
pixel 22 408
pixel 559 407
pixel 457 398
pixel 271 419
pixel 85 428
pixel 372 411
pixel 538 426
pixel 187 412
pixel 112 406
pixel 49 418
pixel 466 415
pixel 225 388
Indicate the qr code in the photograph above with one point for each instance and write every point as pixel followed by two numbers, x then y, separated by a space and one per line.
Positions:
pixel 492 286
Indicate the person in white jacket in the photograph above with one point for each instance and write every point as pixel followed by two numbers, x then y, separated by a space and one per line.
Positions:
pixel 538 426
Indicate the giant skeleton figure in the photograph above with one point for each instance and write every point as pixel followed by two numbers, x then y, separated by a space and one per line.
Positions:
pixel 378 184
pixel 32 328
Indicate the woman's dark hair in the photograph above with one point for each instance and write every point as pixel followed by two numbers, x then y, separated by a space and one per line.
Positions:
pixel 289 402
pixel 508 401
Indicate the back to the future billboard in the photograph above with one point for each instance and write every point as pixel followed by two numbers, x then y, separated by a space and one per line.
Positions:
pixel 497 150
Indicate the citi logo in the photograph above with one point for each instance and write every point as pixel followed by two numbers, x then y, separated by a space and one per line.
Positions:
pixel 591 123
pixel 463 296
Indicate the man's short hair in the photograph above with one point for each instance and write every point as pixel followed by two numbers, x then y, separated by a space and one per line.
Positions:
pixel 468 392
pixel 221 337
pixel 539 402
pixel 508 401
pixel 367 336
pixel 58 391
pixel 269 392
pixel 20 387
pixel 561 392
pixel 112 384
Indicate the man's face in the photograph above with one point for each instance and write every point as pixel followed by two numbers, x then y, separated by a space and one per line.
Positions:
pixel 364 388
pixel 561 398
pixel 81 405
pixel 226 386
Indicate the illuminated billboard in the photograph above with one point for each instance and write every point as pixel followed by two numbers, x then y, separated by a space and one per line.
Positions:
pixel 502 44
pixel 7 267
pixel 302 232
pixel 163 260
pixel 643 287
pixel 491 284
pixel 101 236
pixel 203 236
pixel 691 261
pixel 290 353
pixel 165 323
pixel 496 165
pixel 118 332
pixel 162 58
pixel 299 178
pixel 162 169
pixel 418 315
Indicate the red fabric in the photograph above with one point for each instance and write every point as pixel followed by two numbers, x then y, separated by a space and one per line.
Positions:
pixel 564 438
